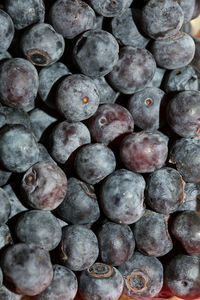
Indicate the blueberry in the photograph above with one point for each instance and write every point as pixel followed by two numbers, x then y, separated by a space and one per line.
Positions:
pixel 94 162
pixel 5 206
pixel 10 115
pixel 183 113
pixel 96 53
pixel 144 152
pixel 80 205
pixel 18 83
pixel 6 31
pixel 16 206
pixel 18 148
pixel 4 176
pixel 110 122
pixel 5 55
pixel 44 154
pixel 79 247
pixel 77 98
pixel 25 13
pixel 44 186
pixel 100 281
pixel 63 286
pixel 122 196
pixel 44 227
pixel 106 93
pixel 157 78
pixel 147 108
pixel 42 45
pixel 110 8
pixel 192 197
pixel 188 9
pixel 133 71
pixel 5 236
pixel 28 268
pixel 6 294
pixel 143 276
pixel 165 190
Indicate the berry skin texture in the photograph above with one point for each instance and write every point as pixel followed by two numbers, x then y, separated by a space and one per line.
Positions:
pixel 77 98
pixel 79 247
pixel 44 186
pixel 6 31
pixel 42 45
pixel 28 268
pixel 183 113
pixel 133 71
pixel 18 148
pixel 122 196
pixel 100 281
pixel 5 206
pixel 18 83
pixel 144 152
pixel 96 53
pixel 110 8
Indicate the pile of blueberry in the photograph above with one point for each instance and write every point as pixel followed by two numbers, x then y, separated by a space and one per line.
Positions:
pixel 99 149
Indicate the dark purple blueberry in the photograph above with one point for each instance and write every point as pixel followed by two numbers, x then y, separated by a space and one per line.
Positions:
pixel 42 45
pixel 157 78
pixel 133 71
pixel 25 13
pixel 191 197
pixel 179 51
pixel 188 8
pixel 5 206
pixel 6 31
pixel 186 229
pixel 184 113
pixel 43 226
pixel 18 83
pixel 183 79
pixel 182 276
pixel 125 30
pixel 165 190
pixel 27 268
pixel 102 282
pixel 10 115
pixel 111 121
pixel 116 243
pixel 18 148
pixel 110 8
pixel 147 108
pixel 4 176
pixel 44 186
pixel 79 247
pixel 185 154
pixel 5 236
pixel 151 234
pixel 96 53
pixel 63 286
pixel 143 276
pixel 80 205
pixel 77 98
pixel 106 93
pixel 71 17
pixel 162 19
pixel 94 162
pixel 144 152
pixel 122 196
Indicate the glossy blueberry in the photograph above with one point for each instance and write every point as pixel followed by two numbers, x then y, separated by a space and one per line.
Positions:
pixel 144 152
pixel 44 186
pixel 183 113
pixel 18 83
pixel 18 148
pixel 143 276
pixel 133 71
pixel 94 162
pixel 147 108
pixel 110 122
pixel 116 243
pixel 181 276
pixel 185 154
pixel 191 197
pixel 183 79
pixel 10 115
pixel 188 9
pixel 102 282
pixel 63 286
pixel 122 196
pixel 79 247
pixel 80 205
pixel 6 31
pixel 43 226
pixel 110 8
pixel 28 268
pixel 5 236
pixel 106 93
pixel 42 45
pixel 96 53
pixel 5 206
pixel 179 51
pixel 25 13
pixel 77 98
pixel 162 19
pixel 165 190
